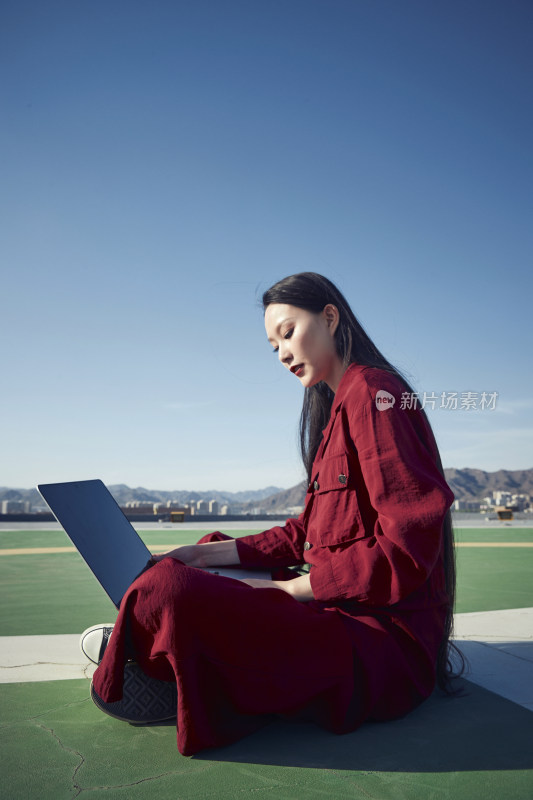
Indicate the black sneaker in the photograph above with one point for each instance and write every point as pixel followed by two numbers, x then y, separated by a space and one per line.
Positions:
pixel 93 641
pixel 145 700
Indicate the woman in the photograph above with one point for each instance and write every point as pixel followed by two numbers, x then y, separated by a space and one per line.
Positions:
pixel 364 633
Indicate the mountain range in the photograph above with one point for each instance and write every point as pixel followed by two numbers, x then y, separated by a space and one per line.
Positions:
pixel 466 484
pixel 125 494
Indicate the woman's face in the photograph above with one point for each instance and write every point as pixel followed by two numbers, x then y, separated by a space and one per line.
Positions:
pixel 305 342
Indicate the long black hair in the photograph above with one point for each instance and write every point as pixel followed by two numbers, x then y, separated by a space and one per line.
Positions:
pixel 313 292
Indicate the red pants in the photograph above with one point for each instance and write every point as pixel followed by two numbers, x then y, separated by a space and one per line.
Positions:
pixel 238 654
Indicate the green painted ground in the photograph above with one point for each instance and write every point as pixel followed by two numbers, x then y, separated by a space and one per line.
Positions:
pixel 178 535
pixel 55 744
pixel 488 579
pixel 69 598
pixel 493 535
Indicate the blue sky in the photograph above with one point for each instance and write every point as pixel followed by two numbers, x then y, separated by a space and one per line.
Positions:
pixel 165 162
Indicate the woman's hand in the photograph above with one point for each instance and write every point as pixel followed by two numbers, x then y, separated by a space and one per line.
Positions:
pixel 208 554
pixel 299 588
pixel 187 553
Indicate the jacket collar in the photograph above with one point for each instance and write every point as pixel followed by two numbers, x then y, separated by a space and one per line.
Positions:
pixel 340 394
pixel 343 387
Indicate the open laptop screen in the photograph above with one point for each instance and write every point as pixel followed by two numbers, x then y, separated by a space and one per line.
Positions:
pixel 97 527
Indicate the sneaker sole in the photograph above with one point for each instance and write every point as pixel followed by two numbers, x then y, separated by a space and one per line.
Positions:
pixel 144 701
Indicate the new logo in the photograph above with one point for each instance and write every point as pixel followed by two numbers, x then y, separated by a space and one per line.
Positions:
pixel 384 400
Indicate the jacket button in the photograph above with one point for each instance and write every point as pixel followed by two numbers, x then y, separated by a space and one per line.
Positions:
pixel 342 478
pixel 307 546
pixel 316 486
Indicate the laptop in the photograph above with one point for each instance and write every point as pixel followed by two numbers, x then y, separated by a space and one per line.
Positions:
pixel 110 545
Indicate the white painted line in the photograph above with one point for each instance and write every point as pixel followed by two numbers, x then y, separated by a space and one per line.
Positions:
pixel 510 624
pixel 28 659
pixel 499 649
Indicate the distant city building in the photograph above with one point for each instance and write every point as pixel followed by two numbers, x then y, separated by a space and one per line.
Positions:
pixel 520 501
pixel 501 498
pixel 140 506
pixel 168 506
pixel 213 507
pixel 201 506
pixel 292 511
pixel 16 506
pixel 466 505
pixel 225 510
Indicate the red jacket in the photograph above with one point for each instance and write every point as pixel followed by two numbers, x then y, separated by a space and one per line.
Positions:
pixel 371 530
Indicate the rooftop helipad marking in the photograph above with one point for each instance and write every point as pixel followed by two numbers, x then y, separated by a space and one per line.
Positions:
pixel 494 544
pixel 22 551
pixel 37 551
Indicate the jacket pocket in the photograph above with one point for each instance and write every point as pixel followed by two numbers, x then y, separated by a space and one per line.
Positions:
pixel 336 518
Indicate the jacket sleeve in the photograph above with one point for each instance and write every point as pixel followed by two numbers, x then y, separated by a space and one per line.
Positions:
pixel 281 546
pixel 407 499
